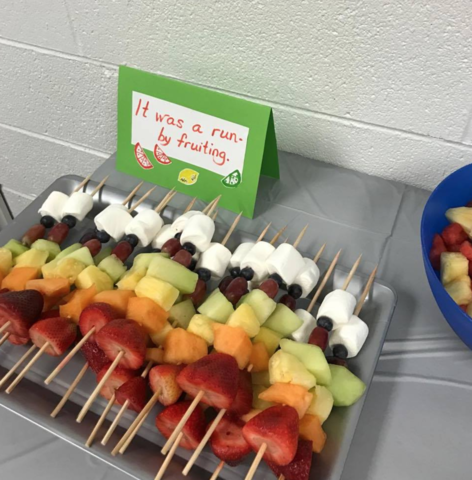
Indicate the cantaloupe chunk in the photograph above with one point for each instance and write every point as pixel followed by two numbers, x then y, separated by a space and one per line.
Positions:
pixel 182 347
pixel 155 354
pixel 118 299
pixel 310 429
pixel 17 279
pixel 287 394
pixel 80 299
pixel 50 287
pixel 233 341
pixel 146 312
pixel 259 358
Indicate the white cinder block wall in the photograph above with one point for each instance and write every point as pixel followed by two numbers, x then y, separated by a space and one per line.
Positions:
pixel 383 87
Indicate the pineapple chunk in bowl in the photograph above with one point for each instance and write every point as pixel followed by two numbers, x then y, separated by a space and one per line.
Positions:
pixel 454 191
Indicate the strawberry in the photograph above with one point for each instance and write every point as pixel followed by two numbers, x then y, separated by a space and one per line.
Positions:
pixel 277 427
pixel 454 234
pixel 243 401
pixel 60 333
pixel 94 355
pixel 123 336
pixel 463 307
pixel 119 376
pixel 21 309
pixel 134 391
pixel 96 315
pixel 49 314
pixel 194 428
pixel 213 374
pixel 436 250
pixel 162 379
pixel 466 250
pixel 227 441
pixel 3 290
pixel 299 468
pixel 16 340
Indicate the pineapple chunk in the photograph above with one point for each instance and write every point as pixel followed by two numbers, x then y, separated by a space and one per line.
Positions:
pixel 269 338
pixel 131 279
pixel 459 291
pixel 469 309
pixel 163 293
pixel 159 337
pixel 201 325
pixel 462 216
pixel 453 265
pixel 66 268
pixel 92 275
pixel 245 317
pixel 6 261
pixel 32 258
pixel 322 403
pixel 286 368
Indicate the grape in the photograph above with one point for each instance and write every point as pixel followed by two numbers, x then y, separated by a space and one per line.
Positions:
pixel 123 250
pixel 172 246
pixel 337 361
pixel 34 233
pixel 269 287
pixel 47 221
pixel 199 293
pixel 225 283
pixel 183 257
pixel 58 233
pixel 288 301
pixel 236 289
pixel 94 246
pixel 88 235
pixel 319 337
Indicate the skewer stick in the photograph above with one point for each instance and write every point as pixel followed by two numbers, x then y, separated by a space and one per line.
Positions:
pixel 256 461
pixel 278 235
pixel 70 390
pixel 323 282
pixel 216 473
pixel 300 236
pixel 231 229
pixel 141 200
pixel 190 205
pixel 215 215
pixel 168 459
pixel 27 368
pixel 281 477
pixel 320 252
pixel 5 326
pixel 99 186
pixel 361 301
pixel 95 393
pixel 352 272
pixel 204 441
pixel 4 338
pixel 164 202
pixel 205 210
pixel 182 422
pixel 133 434
pixel 214 205
pixel 102 418
pixel 82 183
pixel 263 233
pixel 17 364
pixel 132 194
pixel 69 357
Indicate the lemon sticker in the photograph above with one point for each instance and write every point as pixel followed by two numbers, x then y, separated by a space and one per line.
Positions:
pixel 188 176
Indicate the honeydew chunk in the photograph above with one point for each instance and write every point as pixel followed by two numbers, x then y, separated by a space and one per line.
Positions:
pixel 72 248
pixel 83 255
pixel 102 254
pixel 345 387
pixel 174 273
pixel 269 338
pixel 113 267
pixel 283 321
pixel 261 378
pixel 217 307
pixel 258 403
pixel 322 403
pixel 16 248
pixel 182 313
pixel 52 248
pixel 453 265
pixel 261 303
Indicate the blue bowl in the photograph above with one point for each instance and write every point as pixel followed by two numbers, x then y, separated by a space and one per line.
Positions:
pixel 454 191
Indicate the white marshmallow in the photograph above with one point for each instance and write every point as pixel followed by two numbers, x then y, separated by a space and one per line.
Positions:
pixel 145 225
pixel 179 223
pixel 352 335
pixel 199 230
pixel 256 258
pixel 113 220
pixel 78 205
pixel 54 205
pixel 338 305
pixel 285 261
pixel 216 259
pixel 164 234
pixel 240 253
pixel 303 333
pixel 308 277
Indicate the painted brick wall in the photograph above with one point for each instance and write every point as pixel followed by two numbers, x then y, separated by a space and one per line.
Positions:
pixel 382 87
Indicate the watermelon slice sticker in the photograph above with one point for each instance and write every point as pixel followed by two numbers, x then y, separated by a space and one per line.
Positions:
pixel 141 157
pixel 160 156
pixel 232 180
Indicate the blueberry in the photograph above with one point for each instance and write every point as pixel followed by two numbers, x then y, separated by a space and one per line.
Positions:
pixel 102 236
pixel 70 221
pixel 204 274
pixel 47 221
pixel 190 247
pixel 279 280
pixel 235 272
pixel 178 235
pixel 247 273
pixel 340 351
pixel 87 236
pixel 192 265
pixel 132 239
pixel 295 291
pixel 325 322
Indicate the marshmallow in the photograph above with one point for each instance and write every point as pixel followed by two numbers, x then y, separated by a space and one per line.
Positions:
pixel 338 305
pixel 240 253
pixel 308 277
pixel 164 234
pixel 78 205
pixel 216 259
pixel 145 225
pixel 54 205
pixel 285 261
pixel 113 220
pixel 256 259
pixel 179 223
pixel 303 333
pixel 199 230
pixel 352 335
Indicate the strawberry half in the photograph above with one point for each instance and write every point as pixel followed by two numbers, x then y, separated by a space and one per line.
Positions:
pixel 227 441
pixel 96 315
pixel 16 340
pixel 119 376
pixel 21 309
pixel 162 379
pixel 277 427
pixel 60 333
pixel 299 468
pixel 95 356
pixel 213 374
pixel 123 336
pixel 243 402
pixel 194 429
pixel 134 391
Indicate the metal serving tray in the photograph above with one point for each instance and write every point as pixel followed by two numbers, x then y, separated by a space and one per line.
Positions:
pixel 34 401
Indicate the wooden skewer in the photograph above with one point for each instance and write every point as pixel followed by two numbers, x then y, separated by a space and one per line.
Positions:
pixel 165 201
pixel 323 282
pixel 281 477
pixel 256 461
pixel 205 210
pixel 17 364
pixel 263 233
pixel 69 357
pixel 5 326
pixel 95 393
pixel 99 186
pixel 214 205
pixel 352 272
pixel 141 200
pixel 215 215
pixel 133 434
pixel 27 368
pixel 216 473
pixel 70 390
pixel 4 338
pixel 278 235
pixel 367 288
pixel 231 229
pixel 168 459
pixel 132 194
pixel 82 183
pixel 300 236
pixel 320 252
pixel 102 418
pixel 190 205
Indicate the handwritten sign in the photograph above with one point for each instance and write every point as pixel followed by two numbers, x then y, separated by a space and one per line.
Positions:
pixel 201 142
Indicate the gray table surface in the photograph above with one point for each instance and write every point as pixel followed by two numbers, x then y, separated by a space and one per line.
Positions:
pixel 416 421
